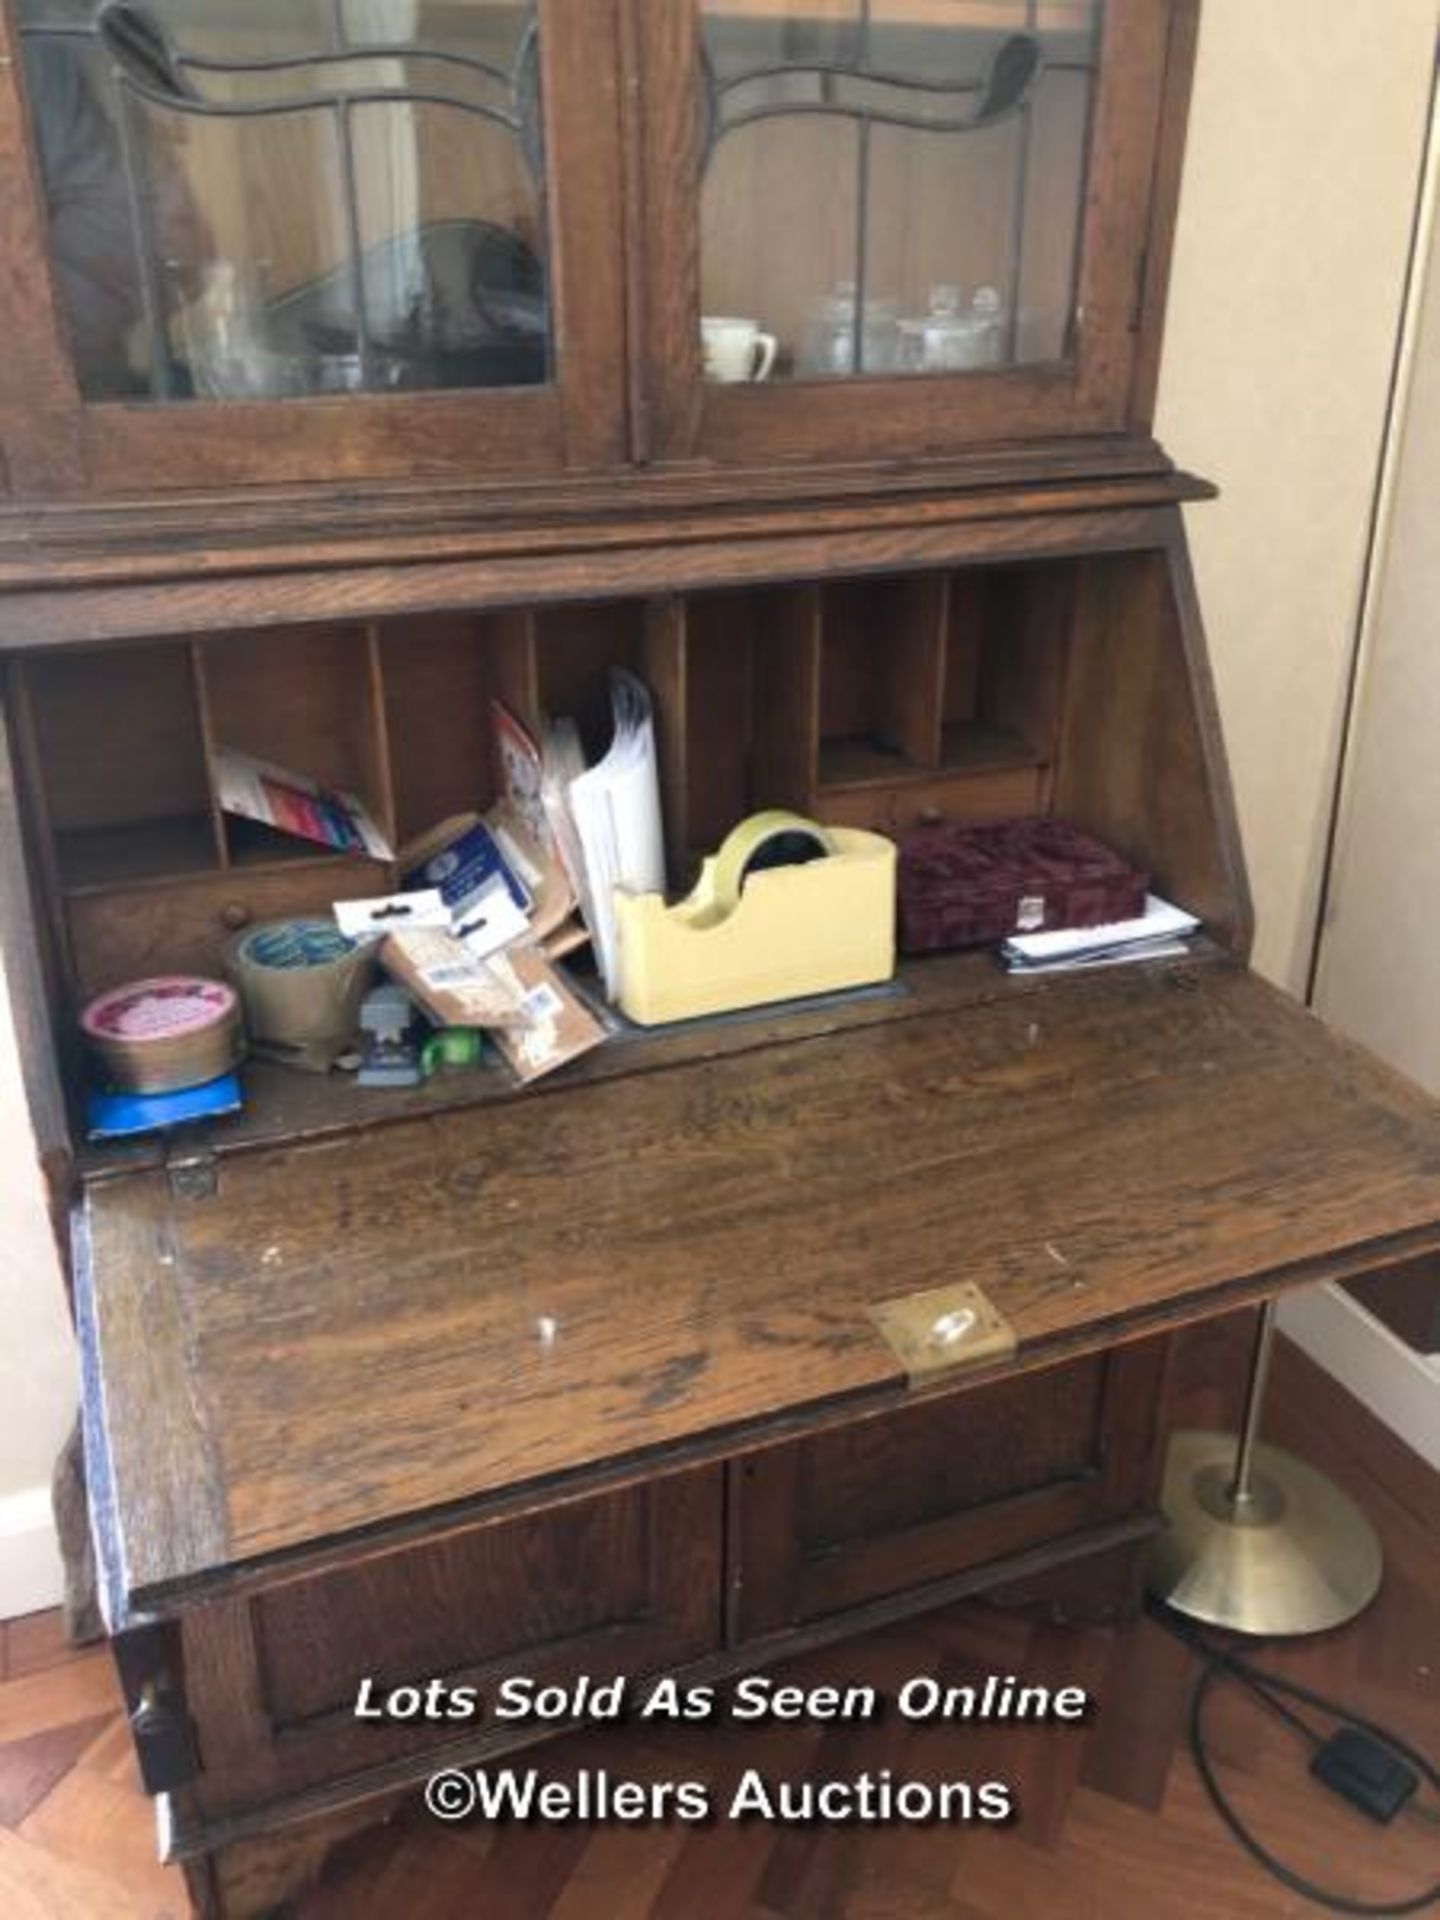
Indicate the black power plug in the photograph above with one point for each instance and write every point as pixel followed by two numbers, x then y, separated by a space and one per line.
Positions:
pixel 1361 1769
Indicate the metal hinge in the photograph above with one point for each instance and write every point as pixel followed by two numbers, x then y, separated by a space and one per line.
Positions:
pixel 193 1172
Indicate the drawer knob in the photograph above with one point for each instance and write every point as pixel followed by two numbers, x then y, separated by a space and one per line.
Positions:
pixel 235 915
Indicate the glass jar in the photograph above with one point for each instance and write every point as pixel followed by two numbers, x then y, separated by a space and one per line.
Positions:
pixel 951 338
pixel 828 348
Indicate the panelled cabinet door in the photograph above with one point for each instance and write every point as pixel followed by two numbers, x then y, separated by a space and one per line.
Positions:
pixel 622 1583
pixel 912 1499
pixel 295 240
pixel 878 228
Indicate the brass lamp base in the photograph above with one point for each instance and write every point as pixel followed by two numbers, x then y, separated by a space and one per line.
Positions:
pixel 1290 1555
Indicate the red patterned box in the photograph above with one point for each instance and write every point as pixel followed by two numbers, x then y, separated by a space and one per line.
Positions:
pixel 963 885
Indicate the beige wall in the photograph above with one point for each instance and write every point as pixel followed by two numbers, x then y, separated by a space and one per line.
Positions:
pixel 37 1364
pixel 1306 144
pixel 1380 961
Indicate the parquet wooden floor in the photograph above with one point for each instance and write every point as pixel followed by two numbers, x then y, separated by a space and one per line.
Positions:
pixel 1113 1821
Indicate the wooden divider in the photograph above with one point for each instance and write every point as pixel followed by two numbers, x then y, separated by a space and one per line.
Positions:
pixel 123 800
pixel 665 668
pixel 786 751
pixel 878 703
pixel 437 682
pixel 307 699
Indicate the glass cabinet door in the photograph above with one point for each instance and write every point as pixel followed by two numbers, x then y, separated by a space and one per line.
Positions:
pixel 914 223
pixel 253 204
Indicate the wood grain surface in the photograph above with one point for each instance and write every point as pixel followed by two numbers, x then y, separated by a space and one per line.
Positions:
pixel 1113 1821
pixel 690 557
pixel 776 422
pixel 360 1330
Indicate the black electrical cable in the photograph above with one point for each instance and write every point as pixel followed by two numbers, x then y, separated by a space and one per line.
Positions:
pixel 1218 1663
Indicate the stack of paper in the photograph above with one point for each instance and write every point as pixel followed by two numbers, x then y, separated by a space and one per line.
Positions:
pixel 562 762
pixel 616 810
pixel 1160 931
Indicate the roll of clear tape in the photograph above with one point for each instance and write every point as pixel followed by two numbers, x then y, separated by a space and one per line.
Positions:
pixel 301 983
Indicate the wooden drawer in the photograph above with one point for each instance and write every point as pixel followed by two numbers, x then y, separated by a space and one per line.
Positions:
pixel 993 794
pixel 183 927
pixel 627 1582
pixel 902 1500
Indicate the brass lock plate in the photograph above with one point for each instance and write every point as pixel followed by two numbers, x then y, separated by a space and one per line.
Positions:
pixel 943 1329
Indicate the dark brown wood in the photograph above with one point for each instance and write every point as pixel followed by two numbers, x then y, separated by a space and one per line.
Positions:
pixel 271 529
pixel 285 1106
pixel 1201 1097
pixel 1112 1801
pixel 1140 1677
pixel 283 1669
pixel 787 696
pixel 305 700
pixel 468 1380
pixel 437 678
pixel 1165 204
pixel 38 846
pixel 338 439
pixel 1092 1573
pixel 130 932
pixel 879 541
pixel 893 1503
pixel 32 982
pixel 1194 733
pixel 39 441
pixel 666 651
pixel 1141 762
pixel 258 1879
pixel 783 421
pixel 1103 1590
pixel 576 422
pixel 1406 1299
pixel 148 774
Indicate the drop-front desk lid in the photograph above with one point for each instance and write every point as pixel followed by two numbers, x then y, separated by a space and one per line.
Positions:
pixel 352 1332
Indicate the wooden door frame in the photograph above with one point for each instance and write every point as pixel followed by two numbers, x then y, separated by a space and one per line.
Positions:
pixel 681 418
pixel 56 445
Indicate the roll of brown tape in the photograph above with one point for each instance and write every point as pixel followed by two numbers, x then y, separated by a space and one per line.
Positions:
pixel 164 1034
pixel 301 982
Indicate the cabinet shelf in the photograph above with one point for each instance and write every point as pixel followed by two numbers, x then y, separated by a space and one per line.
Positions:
pixel 846 764
pixel 970 746
pixel 973 746
pixel 254 847
pixel 96 859
pixel 282 1105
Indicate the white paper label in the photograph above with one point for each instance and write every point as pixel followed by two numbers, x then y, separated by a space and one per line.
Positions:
pixel 1031 913
pixel 458 973
pixel 542 1003
pixel 491 922
pixel 392 913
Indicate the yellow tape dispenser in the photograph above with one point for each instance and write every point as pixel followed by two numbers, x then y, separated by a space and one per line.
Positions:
pixel 786 908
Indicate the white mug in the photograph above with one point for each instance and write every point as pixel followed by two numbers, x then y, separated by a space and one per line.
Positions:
pixel 736 350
